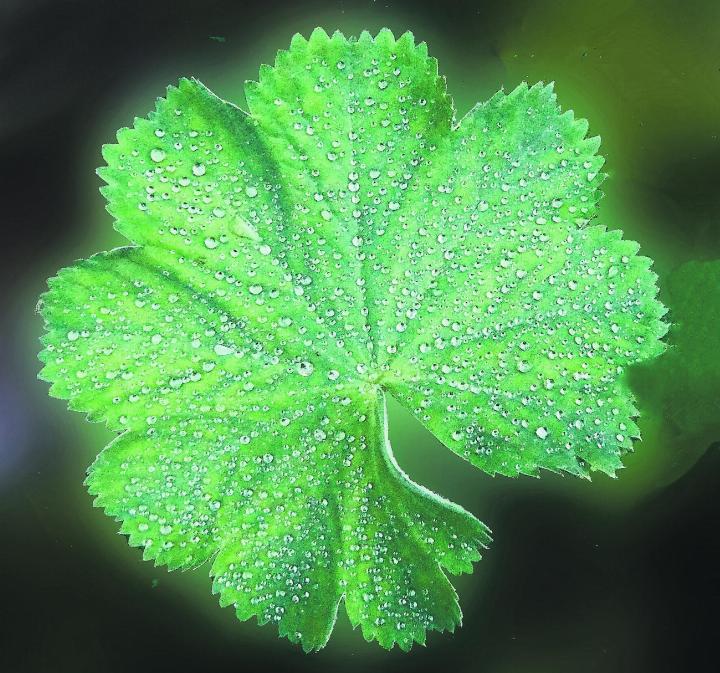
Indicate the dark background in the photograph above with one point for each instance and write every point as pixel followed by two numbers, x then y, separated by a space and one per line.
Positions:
pixel 614 576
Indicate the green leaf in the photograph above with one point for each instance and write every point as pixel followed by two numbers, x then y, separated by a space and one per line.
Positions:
pixel 679 393
pixel 344 240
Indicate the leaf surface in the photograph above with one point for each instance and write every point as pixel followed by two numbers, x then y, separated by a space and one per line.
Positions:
pixel 291 265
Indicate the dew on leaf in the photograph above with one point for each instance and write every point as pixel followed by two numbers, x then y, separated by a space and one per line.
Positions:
pixel 345 239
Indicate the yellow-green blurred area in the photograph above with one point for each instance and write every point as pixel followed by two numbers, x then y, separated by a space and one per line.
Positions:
pixel 607 576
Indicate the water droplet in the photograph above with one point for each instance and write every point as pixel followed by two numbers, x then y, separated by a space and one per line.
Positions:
pixel 305 368
pixel 221 349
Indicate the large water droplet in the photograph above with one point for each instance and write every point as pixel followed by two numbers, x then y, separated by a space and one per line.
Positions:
pixel 305 368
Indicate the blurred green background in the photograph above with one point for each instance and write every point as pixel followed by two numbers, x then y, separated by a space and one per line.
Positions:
pixel 609 576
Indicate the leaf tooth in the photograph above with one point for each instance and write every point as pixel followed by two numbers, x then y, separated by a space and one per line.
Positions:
pixel 365 38
pixel 549 91
pixel 520 90
pixel 385 38
pixel 283 55
pixel 44 374
pixel 591 145
pixel 266 75
pixel 318 35
pixel 297 41
pixel 581 127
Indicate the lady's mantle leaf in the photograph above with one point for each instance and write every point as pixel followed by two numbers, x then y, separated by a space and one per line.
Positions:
pixel 679 393
pixel 343 239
